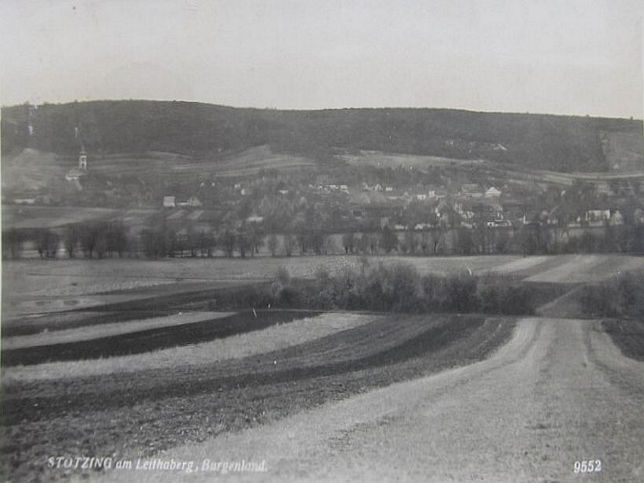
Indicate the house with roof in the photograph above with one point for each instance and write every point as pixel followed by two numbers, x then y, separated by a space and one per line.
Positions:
pixel 596 217
pixel 169 202
pixel 492 192
pixel 255 219
pixel 194 202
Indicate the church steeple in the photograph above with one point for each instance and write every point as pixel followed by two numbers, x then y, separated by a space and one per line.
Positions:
pixel 82 159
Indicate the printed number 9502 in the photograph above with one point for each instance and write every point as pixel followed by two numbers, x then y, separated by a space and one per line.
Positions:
pixel 587 466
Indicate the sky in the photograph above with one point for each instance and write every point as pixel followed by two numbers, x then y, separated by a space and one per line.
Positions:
pixel 563 57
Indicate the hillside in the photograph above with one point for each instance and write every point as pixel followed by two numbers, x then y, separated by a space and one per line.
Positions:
pixel 210 132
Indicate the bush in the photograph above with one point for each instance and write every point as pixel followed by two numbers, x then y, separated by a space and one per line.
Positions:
pixel 400 288
pixel 620 296
pixel 462 293
pixel 599 299
pixel 283 275
pixel 503 295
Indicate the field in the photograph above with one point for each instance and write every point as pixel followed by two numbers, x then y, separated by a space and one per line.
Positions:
pixel 32 287
pixel 104 389
pixel 75 278
pixel 32 169
pixel 247 163
pixel 380 159
pixel 19 216
pixel 130 358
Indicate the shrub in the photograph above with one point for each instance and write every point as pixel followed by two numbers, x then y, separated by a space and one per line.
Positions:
pixel 516 300
pixel 620 296
pixel 461 293
pixel 599 299
pixel 503 295
pixel 283 275
pixel 400 288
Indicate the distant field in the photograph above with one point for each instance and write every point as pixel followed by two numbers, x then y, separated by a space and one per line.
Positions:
pixel 21 216
pixel 82 277
pixel 40 286
pixel 588 268
pixel 32 170
pixel 380 159
pixel 247 163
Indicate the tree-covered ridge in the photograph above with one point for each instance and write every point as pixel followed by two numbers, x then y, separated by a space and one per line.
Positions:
pixel 560 143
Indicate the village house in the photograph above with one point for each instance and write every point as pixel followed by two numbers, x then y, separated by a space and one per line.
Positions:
pixel 638 216
pixel 616 218
pixel 423 226
pixel 499 223
pixel 24 201
pixel 169 202
pixel 596 217
pixel 492 192
pixel 436 194
pixel 255 219
pixel 193 202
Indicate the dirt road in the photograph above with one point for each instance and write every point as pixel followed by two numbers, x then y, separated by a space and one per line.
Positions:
pixel 557 393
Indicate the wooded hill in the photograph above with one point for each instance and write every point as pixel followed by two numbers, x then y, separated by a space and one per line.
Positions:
pixel 558 143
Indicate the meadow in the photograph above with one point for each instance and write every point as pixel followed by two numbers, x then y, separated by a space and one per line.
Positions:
pixel 178 351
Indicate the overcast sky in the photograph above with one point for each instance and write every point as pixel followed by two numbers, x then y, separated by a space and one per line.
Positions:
pixel 564 56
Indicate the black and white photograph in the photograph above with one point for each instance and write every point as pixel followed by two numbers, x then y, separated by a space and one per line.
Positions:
pixel 340 240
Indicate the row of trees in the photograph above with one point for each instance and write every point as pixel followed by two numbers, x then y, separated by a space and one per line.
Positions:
pixel 110 239
pixel 93 239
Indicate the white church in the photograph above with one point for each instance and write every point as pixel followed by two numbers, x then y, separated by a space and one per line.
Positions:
pixel 75 174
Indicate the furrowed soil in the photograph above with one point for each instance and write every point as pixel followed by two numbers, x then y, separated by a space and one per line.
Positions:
pixel 214 327
pixel 273 338
pixel 151 410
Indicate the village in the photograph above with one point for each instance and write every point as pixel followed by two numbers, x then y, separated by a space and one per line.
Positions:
pixel 350 210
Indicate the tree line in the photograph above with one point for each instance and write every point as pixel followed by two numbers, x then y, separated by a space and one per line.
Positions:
pixel 91 239
pixel 101 239
pixel 400 288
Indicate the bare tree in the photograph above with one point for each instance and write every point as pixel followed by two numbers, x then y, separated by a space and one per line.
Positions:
pixel 11 243
pixel 273 244
pixel 71 238
pixel 289 244
pixel 47 243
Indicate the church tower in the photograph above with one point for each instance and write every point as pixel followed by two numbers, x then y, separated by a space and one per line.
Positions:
pixel 82 159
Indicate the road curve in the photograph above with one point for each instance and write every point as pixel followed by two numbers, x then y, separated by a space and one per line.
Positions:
pixel 560 391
